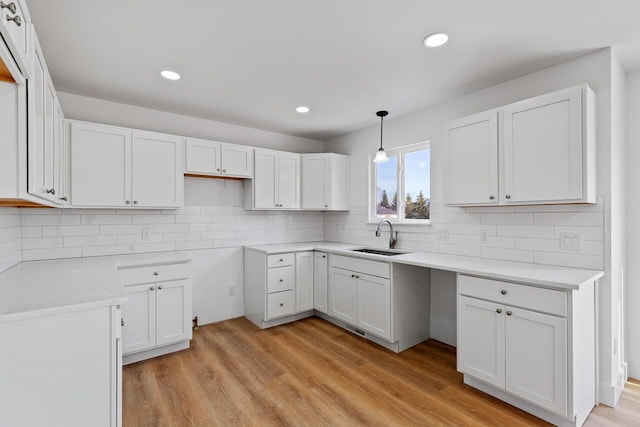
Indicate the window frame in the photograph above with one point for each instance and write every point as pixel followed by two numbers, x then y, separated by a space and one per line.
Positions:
pixel 400 152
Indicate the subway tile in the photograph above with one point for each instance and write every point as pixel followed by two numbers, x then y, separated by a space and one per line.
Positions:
pixel 592 219
pixel 168 228
pixel 491 242
pixel 508 219
pixel 70 230
pixel 173 237
pixel 43 243
pixel 547 208
pixel 569 260
pixel 587 233
pixel 460 250
pixel 525 231
pixel 549 245
pixel 81 241
pixel 31 232
pixel 107 250
pixel 52 253
pixel 124 239
pixel 153 219
pixel 121 229
pixel 508 254
pixel 154 247
pixel 194 244
pixel 31 220
pixel 106 219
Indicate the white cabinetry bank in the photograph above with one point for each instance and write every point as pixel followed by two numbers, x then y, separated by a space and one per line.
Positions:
pixel 537 151
pixel 526 332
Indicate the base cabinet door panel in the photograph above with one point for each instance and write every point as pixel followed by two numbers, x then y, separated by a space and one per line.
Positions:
pixel 374 304
pixel 536 358
pixel 173 300
pixel 342 294
pixel 320 281
pixel 304 281
pixel 481 340
pixel 139 331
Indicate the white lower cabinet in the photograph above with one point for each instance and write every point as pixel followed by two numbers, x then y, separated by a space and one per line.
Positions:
pixel 157 317
pixel 518 339
pixel 304 281
pixel 320 281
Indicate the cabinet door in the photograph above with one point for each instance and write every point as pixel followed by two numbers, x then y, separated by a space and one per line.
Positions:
pixel 100 165
pixel 304 281
pixel 37 140
pixel 288 177
pixel 156 171
pixel 264 180
pixel 17 37
pixel 542 148
pixel 237 160
pixel 481 340
pixel 173 311
pixel 63 157
pixel 315 181
pixel 139 315
pixel 202 157
pixel 536 358
pixel 342 295
pixel 320 281
pixel 470 159
pixel 373 296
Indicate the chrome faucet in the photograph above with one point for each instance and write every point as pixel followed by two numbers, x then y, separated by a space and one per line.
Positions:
pixel 393 239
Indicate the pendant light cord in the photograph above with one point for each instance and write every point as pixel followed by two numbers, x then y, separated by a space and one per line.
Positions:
pixel 381 125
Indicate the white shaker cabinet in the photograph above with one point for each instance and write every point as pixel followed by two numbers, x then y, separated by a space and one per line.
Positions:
pixel 276 181
pixel 304 281
pixel 218 159
pixel 325 181
pixel 342 295
pixel 15 52
pixel 157 316
pixel 537 151
pixel 118 167
pixel 320 281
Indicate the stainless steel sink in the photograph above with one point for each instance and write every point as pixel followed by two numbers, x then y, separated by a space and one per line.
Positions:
pixel 378 251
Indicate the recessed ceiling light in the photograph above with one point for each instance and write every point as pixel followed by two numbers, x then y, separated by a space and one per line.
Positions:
pixel 302 109
pixel 435 39
pixel 170 75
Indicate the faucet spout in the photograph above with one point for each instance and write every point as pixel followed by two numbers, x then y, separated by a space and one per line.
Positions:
pixel 393 238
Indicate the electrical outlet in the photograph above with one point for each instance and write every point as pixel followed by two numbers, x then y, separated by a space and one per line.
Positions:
pixel 145 233
pixel 484 238
pixel 443 234
pixel 570 241
pixel 231 291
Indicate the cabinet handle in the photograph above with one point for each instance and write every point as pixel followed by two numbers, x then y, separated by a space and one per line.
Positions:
pixel 128 202
pixel 503 292
pixel 152 288
pixel 218 170
pixel 353 275
pixel 281 280
pixel 508 196
pixel 16 19
pixel 498 310
pixel 509 313
pixel 326 206
pixel 51 191
pixel 135 202
pixel 224 170
pixel 324 256
pixel 159 286
pixel 281 304
pixel 280 260
pixel 357 277
pixel 11 6
pixel 155 273
pixel 492 197
pixel 121 321
pixel 64 198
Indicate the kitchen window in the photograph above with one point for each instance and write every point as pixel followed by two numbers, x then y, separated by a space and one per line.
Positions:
pixel 401 188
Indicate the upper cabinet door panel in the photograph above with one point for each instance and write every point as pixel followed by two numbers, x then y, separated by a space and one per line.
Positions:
pixel 237 160
pixel 542 148
pixel 289 180
pixel 203 157
pixel 266 163
pixel 315 181
pixel 100 165
pixel 156 170
pixel 471 159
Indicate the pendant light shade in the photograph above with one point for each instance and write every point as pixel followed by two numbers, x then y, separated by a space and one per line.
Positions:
pixel 381 155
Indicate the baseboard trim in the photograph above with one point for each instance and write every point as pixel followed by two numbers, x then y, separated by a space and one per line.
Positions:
pixel 610 393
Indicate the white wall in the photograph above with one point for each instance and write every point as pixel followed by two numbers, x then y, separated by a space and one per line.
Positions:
pixel 10 238
pixel 632 282
pixel 529 234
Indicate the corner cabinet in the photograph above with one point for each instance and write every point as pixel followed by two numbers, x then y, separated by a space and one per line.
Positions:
pixel 276 181
pixel 157 316
pixel 496 157
pixel 529 343
pixel 212 158
pixel 120 167
pixel 325 179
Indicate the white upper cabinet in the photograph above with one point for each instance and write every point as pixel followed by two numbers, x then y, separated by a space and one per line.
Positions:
pixel 276 181
pixel 325 181
pixel 15 52
pixel 537 151
pixel 117 167
pixel 218 159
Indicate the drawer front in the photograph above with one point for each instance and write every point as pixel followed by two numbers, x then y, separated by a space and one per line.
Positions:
pixel 280 260
pixel 153 274
pixel 507 293
pixel 373 268
pixel 280 279
pixel 280 304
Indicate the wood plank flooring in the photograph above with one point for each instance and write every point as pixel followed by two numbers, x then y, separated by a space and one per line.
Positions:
pixel 308 373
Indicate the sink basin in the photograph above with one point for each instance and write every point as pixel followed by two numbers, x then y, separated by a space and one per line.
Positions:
pixel 378 251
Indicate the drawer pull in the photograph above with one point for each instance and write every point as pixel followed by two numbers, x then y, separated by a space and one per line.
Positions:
pixel 121 322
pixel 509 313
pixel 159 286
pixel 11 6
pixel 152 288
pixel 498 310
pixel 281 280
pixel 503 292
pixel 16 19
pixel 280 260
pixel 155 273
pixel 281 304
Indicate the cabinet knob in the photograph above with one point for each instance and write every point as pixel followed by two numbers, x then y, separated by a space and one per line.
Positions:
pixel 509 313
pixel 281 304
pixel 11 6
pixel 326 206
pixel 281 280
pixel 353 275
pixel 16 19
pixel 503 292
pixel 492 197
pixel 324 256
pixel 224 170
pixel 498 310
pixel 155 273
pixel 64 198
pixel 280 260
pixel 128 202
pixel 357 277
pixel 152 288
pixel 218 170
pixel 159 286
pixel 508 196
pixel 135 202
pixel 121 321
pixel 51 191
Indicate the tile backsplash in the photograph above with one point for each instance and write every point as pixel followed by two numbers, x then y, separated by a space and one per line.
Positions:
pixel 10 237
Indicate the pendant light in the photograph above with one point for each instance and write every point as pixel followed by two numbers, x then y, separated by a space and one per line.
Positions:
pixel 381 155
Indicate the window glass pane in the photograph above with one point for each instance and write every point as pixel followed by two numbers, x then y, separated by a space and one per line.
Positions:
pixel 417 184
pixel 387 188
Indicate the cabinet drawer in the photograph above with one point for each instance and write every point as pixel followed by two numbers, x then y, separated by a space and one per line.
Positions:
pixel 530 297
pixel 280 279
pixel 280 304
pixel 152 274
pixel 374 268
pixel 280 260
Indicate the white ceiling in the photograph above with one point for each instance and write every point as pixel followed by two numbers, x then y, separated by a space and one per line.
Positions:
pixel 251 62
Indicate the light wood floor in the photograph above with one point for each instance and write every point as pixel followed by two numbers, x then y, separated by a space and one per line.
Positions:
pixel 311 373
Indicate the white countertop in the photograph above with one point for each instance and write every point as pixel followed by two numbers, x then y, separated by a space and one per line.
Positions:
pixel 39 288
pixel 564 278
